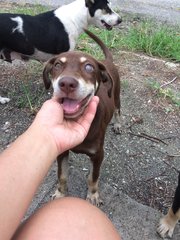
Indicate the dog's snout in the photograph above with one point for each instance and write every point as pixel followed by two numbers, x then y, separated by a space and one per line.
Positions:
pixel 68 84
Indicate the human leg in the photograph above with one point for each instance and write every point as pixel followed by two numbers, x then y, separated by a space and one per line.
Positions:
pixel 68 219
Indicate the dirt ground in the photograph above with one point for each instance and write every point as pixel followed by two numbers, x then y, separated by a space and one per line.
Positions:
pixel 144 160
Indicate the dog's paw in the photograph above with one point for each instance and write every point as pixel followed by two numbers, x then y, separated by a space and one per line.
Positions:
pixel 94 199
pixel 166 227
pixel 57 195
pixel 4 100
pixel 117 128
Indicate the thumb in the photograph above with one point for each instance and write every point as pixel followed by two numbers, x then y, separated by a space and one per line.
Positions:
pixel 89 114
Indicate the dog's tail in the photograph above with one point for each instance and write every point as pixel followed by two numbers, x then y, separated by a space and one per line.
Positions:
pixel 104 48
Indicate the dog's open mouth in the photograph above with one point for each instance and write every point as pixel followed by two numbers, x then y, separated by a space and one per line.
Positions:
pixel 107 26
pixel 74 108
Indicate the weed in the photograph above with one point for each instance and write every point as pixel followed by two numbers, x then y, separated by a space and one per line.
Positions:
pixel 28 91
pixel 165 93
pixel 161 40
pixel 125 83
pixel 29 95
pixel 109 38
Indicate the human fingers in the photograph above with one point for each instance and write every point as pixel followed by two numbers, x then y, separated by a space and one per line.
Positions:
pixel 51 110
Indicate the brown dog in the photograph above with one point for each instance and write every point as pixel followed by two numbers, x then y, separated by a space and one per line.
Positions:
pixel 76 77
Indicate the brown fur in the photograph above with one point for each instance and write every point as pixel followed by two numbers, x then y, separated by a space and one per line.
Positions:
pixel 107 77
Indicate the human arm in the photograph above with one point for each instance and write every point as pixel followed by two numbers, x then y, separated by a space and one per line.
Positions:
pixel 25 163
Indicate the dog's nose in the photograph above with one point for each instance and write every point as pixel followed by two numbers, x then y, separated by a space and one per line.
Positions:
pixel 68 84
pixel 119 20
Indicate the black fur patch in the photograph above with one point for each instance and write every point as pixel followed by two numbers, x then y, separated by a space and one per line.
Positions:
pixel 98 4
pixel 176 202
pixel 44 32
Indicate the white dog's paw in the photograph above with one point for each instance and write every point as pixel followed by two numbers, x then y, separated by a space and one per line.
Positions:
pixel 117 128
pixel 94 199
pixel 4 100
pixel 57 195
pixel 166 227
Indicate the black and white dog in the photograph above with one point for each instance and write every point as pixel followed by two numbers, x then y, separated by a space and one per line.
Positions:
pixel 45 35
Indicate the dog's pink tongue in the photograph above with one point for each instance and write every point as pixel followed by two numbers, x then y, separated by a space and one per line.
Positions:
pixel 70 106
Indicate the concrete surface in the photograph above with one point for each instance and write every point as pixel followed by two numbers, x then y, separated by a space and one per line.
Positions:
pixel 162 10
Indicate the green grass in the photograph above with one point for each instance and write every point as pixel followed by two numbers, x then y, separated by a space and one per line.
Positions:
pixel 165 92
pixel 161 41
pixel 32 93
pixel 110 38
pixel 28 90
pixel 29 96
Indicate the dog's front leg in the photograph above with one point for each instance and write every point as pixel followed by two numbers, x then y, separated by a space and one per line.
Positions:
pixel 62 161
pixel 168 222
pixel 117 123
pixel 117 112
pixel 93 191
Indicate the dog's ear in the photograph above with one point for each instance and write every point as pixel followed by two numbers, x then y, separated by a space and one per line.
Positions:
pixel 106 79
pixel 48 70
pixel 89 3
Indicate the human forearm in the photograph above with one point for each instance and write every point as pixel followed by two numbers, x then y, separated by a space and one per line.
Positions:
pixel 22 168
pixel 25 163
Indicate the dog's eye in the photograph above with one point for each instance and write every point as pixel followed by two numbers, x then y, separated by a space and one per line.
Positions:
pixel 58 65
pixel 89 68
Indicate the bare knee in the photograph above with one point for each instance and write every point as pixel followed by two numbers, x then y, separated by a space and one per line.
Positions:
pixel 68 218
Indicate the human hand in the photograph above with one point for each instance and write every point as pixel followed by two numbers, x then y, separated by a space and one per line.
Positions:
pixel 66 134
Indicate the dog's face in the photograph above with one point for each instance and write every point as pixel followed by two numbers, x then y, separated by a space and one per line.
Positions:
pixel 101 14
pixel 75 78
